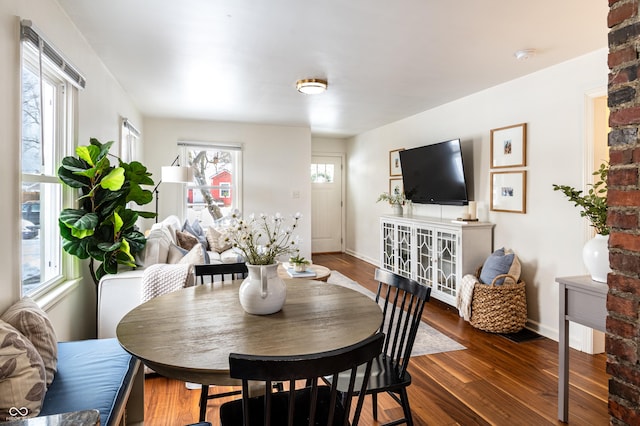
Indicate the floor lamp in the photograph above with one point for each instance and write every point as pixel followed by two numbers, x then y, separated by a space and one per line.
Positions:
pixel 173 174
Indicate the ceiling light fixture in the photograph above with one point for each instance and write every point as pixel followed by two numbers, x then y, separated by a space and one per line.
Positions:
pixel 311 86
pixel 524 54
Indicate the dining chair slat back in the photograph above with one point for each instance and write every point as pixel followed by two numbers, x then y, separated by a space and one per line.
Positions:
pixel 402 300
pixel 305 401
pixel 211 273
pixel 220 272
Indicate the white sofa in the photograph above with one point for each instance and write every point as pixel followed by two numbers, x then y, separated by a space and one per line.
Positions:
pixel 120 293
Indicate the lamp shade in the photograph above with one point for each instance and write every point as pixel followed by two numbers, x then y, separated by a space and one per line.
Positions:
pixel 176 174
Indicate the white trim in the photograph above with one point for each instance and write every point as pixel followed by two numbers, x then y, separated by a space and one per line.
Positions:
pixel 54 295
pixel 229 146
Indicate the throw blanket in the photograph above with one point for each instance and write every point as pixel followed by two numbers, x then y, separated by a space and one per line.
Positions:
pixel 163 278
pixel 465 296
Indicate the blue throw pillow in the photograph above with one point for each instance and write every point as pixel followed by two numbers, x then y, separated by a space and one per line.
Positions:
pixel 496 264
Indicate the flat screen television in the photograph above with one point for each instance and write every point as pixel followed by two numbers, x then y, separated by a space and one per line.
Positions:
pixel 434 174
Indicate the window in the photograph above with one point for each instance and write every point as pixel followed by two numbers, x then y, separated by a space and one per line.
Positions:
pixel 322 173
pixel 47 110
pixel 225 189
pixel 215 190
pixel 129 137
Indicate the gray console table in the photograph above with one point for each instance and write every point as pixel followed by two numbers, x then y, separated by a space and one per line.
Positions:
pixel 583 301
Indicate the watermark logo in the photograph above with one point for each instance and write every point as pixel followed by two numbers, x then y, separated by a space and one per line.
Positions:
pixel 16 413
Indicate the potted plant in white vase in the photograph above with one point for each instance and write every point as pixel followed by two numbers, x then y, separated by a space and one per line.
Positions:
pixel 396 200
pixel 262 240
pixel 593 205
pixel 299 263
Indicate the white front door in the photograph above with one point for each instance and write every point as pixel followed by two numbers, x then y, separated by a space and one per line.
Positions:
pixel 326 204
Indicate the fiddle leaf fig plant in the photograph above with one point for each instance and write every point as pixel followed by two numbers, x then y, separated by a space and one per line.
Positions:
pixel 103 228
pixel 594 202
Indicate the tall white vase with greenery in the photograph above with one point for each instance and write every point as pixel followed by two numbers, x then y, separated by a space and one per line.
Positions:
pixel 595 252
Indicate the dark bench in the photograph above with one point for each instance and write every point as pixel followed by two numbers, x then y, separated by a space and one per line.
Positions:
pixel 97 374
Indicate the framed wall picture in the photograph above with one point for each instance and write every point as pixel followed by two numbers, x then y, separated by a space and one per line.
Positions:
pixel 394 162
pixel 509 191
pixel 395 186
pixel 509 146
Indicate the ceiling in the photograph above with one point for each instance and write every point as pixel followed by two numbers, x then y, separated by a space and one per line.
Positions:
pixel 238 60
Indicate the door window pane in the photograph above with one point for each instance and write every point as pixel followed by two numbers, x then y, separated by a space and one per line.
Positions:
pixel 322 173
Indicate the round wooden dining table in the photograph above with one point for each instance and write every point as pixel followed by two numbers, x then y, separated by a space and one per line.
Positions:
pixel 188 334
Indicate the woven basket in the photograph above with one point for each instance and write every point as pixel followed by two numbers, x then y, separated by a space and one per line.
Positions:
pixel 499 308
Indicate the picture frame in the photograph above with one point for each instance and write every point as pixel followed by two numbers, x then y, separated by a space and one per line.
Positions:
pixel 395 184
pixel 509 191
pixel 509 146
pixel 394 162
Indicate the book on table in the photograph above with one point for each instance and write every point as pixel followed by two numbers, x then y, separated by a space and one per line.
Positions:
pixel 304 274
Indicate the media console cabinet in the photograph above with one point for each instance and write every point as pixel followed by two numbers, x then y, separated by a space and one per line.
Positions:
pixel 435 252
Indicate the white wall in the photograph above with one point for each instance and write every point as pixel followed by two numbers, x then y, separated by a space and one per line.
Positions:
pixel 276 161
pixel 549 237
pixel 101 105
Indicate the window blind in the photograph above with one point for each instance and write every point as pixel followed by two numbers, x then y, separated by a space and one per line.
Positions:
pixel 29 34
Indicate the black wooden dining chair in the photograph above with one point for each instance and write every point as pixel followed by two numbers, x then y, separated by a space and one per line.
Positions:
pixel 214 273
pixel 220 272
pixel 309 403
pixel 402 301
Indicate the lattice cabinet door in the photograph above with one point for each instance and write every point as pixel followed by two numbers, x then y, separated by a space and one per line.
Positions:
pixel 424 256
pixel 387 252
pixel 403 247
pixel 447 262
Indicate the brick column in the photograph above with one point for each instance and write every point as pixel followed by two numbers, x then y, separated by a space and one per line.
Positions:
pixel 623 198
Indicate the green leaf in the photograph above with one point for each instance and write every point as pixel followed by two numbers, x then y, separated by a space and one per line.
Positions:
pixel 128 217
pixel 70 178
pixel 136 241
pixel 137 173
pixel 88 153
pixel 145 214
pixel 104 148
pixel 117 222
pixel 79 219
pixel 106 247
pixel 114 180
pixel 124 255
pixel 88 173
pixel 138 195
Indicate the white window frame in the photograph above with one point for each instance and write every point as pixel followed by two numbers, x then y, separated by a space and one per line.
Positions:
pixel 65 268
pixel 235 187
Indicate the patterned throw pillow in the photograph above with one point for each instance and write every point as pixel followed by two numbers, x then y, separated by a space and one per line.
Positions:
pixel 22 375
pixel 216 240
pixel 196 256
pixel 27 317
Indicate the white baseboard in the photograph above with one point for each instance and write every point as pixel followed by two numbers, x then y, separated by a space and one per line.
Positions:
pixel 374 262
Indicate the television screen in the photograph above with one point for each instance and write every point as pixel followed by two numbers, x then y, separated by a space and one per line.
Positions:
pixel 434 174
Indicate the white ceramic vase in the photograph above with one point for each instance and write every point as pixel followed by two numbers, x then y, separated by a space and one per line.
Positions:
pixel 397 209
pixel 595 255
pixel 263 292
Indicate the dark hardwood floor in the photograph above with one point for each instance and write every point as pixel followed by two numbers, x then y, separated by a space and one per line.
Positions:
pixel 492 382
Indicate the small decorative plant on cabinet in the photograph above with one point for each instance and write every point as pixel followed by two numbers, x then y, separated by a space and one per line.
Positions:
pixel 395 200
